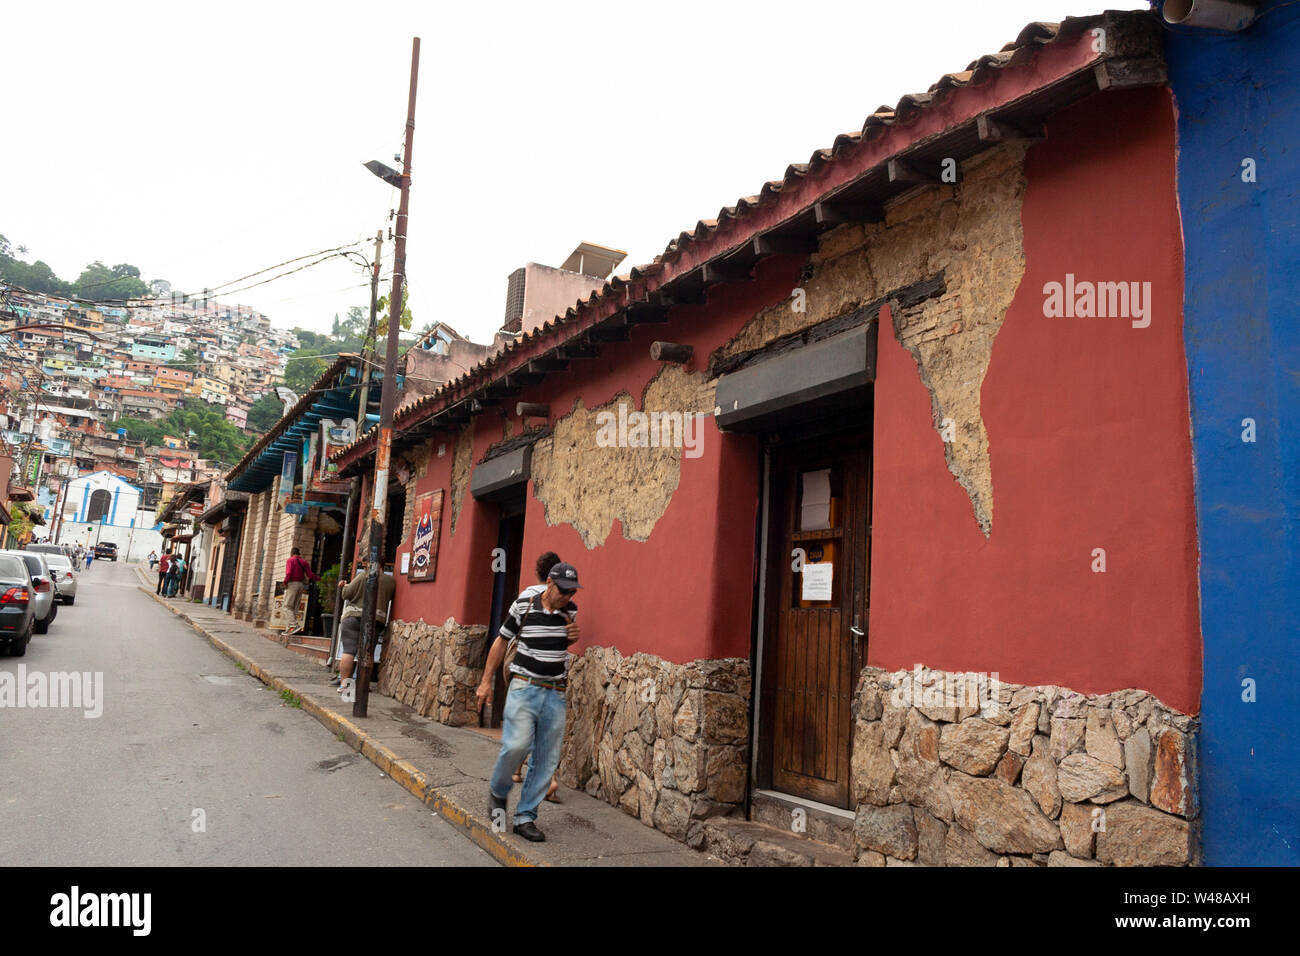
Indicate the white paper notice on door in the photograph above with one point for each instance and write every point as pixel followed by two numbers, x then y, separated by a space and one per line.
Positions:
pixel 817 580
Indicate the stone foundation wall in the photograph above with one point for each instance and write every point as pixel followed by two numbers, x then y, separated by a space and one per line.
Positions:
pixel 435 669
pixel 667 743
pixel 952 770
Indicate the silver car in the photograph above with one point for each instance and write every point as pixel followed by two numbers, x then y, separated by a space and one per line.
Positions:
pixel 65 576
pixel 44 607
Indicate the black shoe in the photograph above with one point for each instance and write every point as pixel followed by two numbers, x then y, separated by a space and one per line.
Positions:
pixel 530 832
pixel 496 803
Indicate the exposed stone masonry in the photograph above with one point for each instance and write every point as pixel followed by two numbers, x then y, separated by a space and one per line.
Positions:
pixel 667 743
pixel 590 487
pixel 1019 776
pixel 971 232
pixel 434 669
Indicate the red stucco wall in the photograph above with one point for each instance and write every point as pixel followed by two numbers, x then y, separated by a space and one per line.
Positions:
pixel 1088 431
pixel 687 591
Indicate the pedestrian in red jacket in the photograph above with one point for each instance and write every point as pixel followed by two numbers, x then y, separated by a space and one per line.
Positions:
pixel 297 573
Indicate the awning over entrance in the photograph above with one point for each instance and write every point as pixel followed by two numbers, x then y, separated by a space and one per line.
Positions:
pixel 500 476
pixel 234 502
pixel 830 375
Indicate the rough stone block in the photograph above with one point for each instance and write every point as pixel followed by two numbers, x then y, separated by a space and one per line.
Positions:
pixel 872 766
pixel 889 830
pixel 932 834
pixel 1172 778
pixel 1023 726
pixel 1039 778
pixel 1009 767
pixel 973 746
pixel 1101 741
pixel 1137 835
pixel 1083 777
pixel 727 772
pixel 1004 819
pixel 962 849
pixel 1137 758
pixel 1077 829
pixel 1067 735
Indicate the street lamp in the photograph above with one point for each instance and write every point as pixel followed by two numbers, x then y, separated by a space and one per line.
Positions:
pixel 388 394
pixel 386 173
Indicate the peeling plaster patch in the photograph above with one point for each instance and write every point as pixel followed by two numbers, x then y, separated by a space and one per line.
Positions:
pixel 972 233
pixel 589 487
pixel 460 468
pixel 419 459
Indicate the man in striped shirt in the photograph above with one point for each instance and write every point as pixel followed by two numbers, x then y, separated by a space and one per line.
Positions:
pixel 533 718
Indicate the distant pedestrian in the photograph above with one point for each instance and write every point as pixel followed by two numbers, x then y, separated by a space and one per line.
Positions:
pixel 163 563
pixel 174 572
pixel 90 556
pixel 544 625
pixel 153 559
pixel 297 572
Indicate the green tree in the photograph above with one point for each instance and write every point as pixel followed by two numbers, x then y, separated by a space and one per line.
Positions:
pixel 381 326
pixel 197 422
pixel 309 341
pixel 35 276
pixel 139 429
pixel 301 371
pixel 98 281
pixel 264 413
pixel 355 326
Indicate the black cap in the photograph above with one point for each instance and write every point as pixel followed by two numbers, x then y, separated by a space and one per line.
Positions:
pixel 565 576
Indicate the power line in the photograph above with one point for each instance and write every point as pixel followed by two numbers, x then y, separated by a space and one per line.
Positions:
pixel 218 289
pixel 287 262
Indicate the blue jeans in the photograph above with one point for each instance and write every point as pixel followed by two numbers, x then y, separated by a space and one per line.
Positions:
pixel 533 720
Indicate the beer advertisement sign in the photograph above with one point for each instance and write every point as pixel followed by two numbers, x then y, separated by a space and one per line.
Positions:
pixel 424 545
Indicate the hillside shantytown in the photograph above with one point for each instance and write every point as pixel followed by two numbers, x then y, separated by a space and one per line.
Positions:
pixel 933 505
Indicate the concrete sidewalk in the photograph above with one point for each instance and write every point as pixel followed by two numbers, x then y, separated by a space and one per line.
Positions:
pixel 447 768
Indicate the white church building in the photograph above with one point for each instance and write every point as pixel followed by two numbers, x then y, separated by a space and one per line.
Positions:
pixel 102 507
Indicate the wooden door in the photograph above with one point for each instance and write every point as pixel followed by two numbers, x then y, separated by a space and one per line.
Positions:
pixel 815 617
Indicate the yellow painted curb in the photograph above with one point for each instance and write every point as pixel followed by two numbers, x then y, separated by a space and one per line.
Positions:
pixel 406 774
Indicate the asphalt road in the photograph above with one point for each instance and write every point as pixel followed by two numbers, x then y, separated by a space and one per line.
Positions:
pixel 184 730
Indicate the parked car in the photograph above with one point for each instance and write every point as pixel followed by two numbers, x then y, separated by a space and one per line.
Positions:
pixel 44 605
pixel 17 616
pixel 65 577
pixel 106 550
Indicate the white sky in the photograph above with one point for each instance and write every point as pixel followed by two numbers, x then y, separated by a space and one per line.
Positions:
pixel 202 146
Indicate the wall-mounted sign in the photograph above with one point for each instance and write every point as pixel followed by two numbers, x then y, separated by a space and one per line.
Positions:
pixel 308 453
pixel 325 476
pixel 288 464
pixel 428 526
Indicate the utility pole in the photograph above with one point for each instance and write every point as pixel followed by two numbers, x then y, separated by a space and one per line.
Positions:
pixel 368 346
pixel 388 397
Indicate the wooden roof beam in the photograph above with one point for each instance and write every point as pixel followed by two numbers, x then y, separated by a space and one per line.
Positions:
pixel 828 214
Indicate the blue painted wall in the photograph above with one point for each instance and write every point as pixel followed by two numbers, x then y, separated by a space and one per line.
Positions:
pixel 1238 97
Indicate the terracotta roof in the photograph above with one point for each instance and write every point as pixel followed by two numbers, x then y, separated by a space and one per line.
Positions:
pixel 879 124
